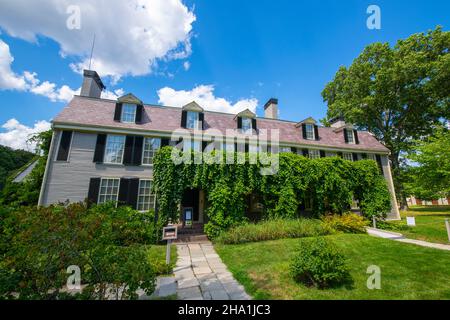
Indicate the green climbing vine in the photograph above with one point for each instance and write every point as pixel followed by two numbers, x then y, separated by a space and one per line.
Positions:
pixel 331 183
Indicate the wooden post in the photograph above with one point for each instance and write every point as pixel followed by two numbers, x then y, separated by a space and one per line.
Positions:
pixel 169 243
pixel 374 220
pixel 447 224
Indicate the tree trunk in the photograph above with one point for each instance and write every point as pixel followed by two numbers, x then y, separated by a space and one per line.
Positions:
pixel 398 181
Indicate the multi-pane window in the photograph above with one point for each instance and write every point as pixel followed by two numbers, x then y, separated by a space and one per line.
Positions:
pixel 350 137
pixel 192 120
pixel 331 154
pixel 309 131
pixel 347 156
pixel 151 146
pixel 114 149
pixel 285 149
pixel 128 113
pixel 371 156
pixel 314 154
pixel 146 200
pixel 193 145
pixel 246 125
pixel 109 190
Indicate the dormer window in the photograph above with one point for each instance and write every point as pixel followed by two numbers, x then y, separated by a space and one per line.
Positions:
pixel 309 131
pixel 246 125
pixel 192 120
pixel 246 122
pixel 351 136
pixel 128 113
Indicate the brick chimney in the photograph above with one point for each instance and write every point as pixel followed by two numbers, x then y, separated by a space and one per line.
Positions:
pixel 271 109
pixel 92 84
pixel 337 122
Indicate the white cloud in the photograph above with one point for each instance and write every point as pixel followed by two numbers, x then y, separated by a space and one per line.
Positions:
pixel 186 65
pixel 131 36
pixel 29 81
pixel 17 134
pixel 204 96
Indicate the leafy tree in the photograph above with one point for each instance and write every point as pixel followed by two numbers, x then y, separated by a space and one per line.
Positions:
pixel 27 191
pixel 430 179
pixel 12 160
pixel 398 93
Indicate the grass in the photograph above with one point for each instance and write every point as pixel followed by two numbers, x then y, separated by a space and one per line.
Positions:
pixel 430 223
pixel 157 257
pixel 407 271
pixel 274 229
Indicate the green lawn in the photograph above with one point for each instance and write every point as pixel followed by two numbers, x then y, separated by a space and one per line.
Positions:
pixel 157 257
pixel 407 271
pixel 430 223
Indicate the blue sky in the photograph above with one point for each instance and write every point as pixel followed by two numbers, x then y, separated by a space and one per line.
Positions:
pixel 247 50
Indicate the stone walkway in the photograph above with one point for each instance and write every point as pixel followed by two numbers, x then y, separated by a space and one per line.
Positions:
pixel 201 275
pixel 399 237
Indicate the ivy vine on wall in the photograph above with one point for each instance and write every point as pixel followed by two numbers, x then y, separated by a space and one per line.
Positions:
pixel 330 183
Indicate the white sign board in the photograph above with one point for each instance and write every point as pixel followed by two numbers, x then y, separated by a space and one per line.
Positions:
pixel 411 221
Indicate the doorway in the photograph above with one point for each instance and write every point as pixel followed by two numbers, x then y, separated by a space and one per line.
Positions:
pixel 191 200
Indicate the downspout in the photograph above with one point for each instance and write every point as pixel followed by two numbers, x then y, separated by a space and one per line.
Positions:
pixel 47 166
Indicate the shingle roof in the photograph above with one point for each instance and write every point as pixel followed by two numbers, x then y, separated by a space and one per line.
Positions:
pixel 85 111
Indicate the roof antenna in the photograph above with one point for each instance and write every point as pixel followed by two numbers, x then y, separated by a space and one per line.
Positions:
pixel 92 51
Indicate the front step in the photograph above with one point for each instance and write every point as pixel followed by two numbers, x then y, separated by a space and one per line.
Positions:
pixel 191 238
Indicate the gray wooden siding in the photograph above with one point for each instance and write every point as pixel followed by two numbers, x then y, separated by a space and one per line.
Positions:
pixel 70 180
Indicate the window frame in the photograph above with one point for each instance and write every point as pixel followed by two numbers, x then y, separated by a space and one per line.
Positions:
pixel 144 150
pixel 284 149
pixel 100 188
pixel 250 129
pixel 352 136
pixel 313 133
pixel 122 113
pixel 316 153
pixel 59 146
pixel 151 195
pixel 372 156
pixel 196 121
pixel 348 155
pixel 106 149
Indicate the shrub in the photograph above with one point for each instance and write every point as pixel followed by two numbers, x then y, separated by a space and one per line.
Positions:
pixel 393 226
pixel 318 263
pixel 272 230
pixel 348 223
pixel 39 244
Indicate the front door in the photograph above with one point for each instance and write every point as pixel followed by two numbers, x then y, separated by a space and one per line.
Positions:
pixel 190 200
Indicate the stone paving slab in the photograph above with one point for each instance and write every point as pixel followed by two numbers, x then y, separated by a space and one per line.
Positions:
pixel 201 274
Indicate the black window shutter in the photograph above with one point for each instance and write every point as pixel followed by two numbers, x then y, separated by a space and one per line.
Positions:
pixel 364 155
pixel 356 136
pixel 305 152
pixel 345 135
pixel 201 118
pixel 139 113
pixel 247 147
pixel 118 112
pixel 304 130
pixel 204 145
pixel 294 150
pixel 316 132
pixel 322 154
pixel 128 152
pixel 133 190
pixel 100 148
pixel 239 123
pixel 254 125
pixel 355 156
pixel 380 165
pixel 137 152
pixel 183 118
pixel 128 192
pixel 340 154
pixel 94 188
pixel 64 146
pixel 165 142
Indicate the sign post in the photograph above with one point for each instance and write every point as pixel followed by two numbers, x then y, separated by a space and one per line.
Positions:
pixel 447 224
pixel 374 221
pixel 169 233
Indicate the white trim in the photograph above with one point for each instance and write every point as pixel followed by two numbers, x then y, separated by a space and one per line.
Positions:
pixel 154 194
pixel 100 186
pixel 313 131
pixel 121 112
pixel 167 134
pixel 123 151
pixel 46 172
